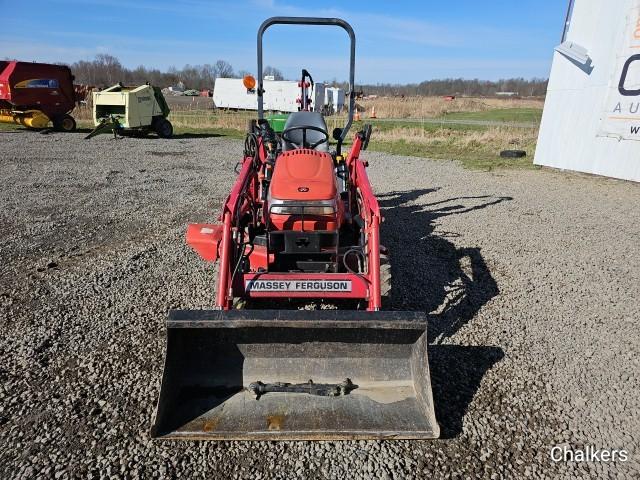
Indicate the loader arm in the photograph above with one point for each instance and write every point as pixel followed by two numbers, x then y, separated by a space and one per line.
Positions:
pixel 371 215
pixel 370 212
pixel 237 204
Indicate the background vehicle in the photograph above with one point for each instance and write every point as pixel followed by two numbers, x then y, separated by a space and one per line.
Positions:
pixel 141 109
pixel 35 94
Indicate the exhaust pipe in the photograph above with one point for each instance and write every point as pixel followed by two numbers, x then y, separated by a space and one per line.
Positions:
pixel 295 375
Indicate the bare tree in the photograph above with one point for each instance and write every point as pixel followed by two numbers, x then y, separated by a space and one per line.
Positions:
pixel 223 69
pixel 107 70
pixel 274 72
pixel 207 75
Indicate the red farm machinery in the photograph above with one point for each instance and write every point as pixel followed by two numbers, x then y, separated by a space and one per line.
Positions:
pixel 301 224
pixel 37 94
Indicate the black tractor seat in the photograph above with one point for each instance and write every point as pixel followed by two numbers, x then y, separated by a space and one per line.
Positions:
pixel 305 119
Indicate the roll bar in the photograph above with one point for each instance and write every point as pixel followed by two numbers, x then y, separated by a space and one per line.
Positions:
pixel 338 22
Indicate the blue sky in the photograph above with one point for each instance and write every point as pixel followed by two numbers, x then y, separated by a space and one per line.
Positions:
pixel 397 42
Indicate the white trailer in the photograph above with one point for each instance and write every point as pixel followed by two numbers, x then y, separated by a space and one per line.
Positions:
pixel 591 119
pixel 334 98
pixel 279 95
pixel 231 93
pixel 317 97
pixel 337 99
pixel 328 99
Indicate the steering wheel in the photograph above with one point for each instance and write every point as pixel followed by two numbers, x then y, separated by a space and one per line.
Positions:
pixel 304 128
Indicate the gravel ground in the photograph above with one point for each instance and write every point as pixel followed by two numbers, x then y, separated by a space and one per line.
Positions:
pixel 530 279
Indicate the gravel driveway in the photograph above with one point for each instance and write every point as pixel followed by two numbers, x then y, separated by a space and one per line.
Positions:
pixel 530 279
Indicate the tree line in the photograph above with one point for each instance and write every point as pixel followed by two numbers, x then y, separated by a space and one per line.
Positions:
pixel 534 87
pixel 107 70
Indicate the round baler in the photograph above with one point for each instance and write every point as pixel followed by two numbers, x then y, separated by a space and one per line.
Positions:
pixel 37 94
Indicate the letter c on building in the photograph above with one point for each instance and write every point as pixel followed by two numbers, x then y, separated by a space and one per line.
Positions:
pixel 554 449
pixel 623 78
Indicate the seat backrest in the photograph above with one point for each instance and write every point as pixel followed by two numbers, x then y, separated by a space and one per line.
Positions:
pixel 305 119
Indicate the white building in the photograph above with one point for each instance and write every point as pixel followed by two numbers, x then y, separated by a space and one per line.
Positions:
pixel 279 95
pixel 591 119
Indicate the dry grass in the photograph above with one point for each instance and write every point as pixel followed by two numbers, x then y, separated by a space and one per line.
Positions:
pixel 432 107
pixel 83 112
pixel 208 119
pixel 386 107
pixel 193 116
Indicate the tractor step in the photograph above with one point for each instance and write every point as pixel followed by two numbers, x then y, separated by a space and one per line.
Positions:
pixel 245 375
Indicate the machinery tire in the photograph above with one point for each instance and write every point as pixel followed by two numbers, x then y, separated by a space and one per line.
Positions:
pixel 64 123
pixel 163 128
pixel 385 279
pixel 513 154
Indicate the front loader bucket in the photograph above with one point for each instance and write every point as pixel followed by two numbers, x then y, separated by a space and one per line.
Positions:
pixel 301 361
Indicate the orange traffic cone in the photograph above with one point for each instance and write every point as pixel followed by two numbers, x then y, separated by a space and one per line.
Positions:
pixel 356 117
pixel 373 112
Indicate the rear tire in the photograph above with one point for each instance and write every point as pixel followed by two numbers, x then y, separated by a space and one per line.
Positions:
pixel 513 154
pixel 64 123
pixel 163 128
pixel 385 280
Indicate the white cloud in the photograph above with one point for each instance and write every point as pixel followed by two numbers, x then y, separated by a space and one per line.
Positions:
pixel 26 50
pixel 393 27
pixel 416 69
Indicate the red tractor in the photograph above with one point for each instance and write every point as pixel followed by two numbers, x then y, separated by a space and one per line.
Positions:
pixel 301 222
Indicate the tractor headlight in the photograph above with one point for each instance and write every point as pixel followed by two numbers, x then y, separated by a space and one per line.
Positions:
pixel 283 207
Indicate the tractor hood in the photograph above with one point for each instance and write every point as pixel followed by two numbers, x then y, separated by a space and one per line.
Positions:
pixel 304 175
